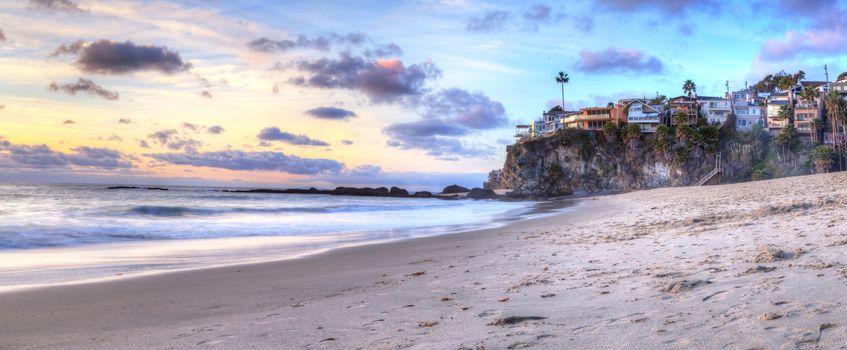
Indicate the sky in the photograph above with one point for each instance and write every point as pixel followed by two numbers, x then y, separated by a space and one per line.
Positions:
pixel 418 94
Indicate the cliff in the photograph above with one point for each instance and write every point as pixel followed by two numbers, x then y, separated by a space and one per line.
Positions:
pixel 589 162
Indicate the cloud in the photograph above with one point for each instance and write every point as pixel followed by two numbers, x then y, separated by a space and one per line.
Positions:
pixel 382 80
pixel 614 60
pixel 365 170
pixel 143 144
pixel 538 12
pixel 664 7
pixel 68 122
pixel 447 115
pixel 115 138
pixel 125 121
pixel 215 129
pixel 346 142
pixel 275 89
pixel 382 51
pixel 56 5
pixel 206 94
pixel 473 110
pixel 42 156
pixel 488 22
pixel 192 127
pixel 253 161
pixel 170 138
pixel 274 134
pixel 111 57
pixel 2 36
pixel 815 42
pixel 84 85
pixel 333 113
pixel 321 43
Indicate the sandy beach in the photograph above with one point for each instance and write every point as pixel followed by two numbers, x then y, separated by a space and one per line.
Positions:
pixel 758 265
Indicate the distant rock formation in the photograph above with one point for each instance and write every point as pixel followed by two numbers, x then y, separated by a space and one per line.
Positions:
pixel 136 188
pixel 479 193
pixel 454 189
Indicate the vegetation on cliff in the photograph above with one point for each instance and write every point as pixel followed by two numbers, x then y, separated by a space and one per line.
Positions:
pixel 616 159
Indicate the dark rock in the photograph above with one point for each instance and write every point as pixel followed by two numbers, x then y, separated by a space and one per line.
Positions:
pixel 454 189
pixel 135 188
pixel 366 191
pixel 423 194
pixel 478 193
pixel 397 192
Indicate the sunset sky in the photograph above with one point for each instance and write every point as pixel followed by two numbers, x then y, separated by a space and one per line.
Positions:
pixel 418 94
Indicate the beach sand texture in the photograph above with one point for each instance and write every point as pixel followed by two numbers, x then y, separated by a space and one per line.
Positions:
pixel 760 265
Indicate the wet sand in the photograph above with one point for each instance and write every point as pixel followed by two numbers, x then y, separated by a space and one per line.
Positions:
pixel 757 265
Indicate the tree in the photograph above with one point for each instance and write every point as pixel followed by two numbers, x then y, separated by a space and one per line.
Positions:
pixel 785 113
pixel 563 79
pixel 822 158
pixel 689 88
pixel 658 100
pixel 631 132
pixel 842 76
pixel 788 141
pixel 835 110
pixel 610 105
pixel 610 130
pixel 810 96
pixel 556 109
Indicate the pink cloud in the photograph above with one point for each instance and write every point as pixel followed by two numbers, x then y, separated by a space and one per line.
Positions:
pixel 823 41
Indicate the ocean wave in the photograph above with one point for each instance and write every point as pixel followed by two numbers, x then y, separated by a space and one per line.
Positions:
pixel 182 211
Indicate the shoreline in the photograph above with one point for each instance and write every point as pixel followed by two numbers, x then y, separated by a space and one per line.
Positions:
pixel 752 265
pixel 209 253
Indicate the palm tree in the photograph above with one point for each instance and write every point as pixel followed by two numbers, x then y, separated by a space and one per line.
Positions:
pixel 563 79
pixel 835 111
pixel 689 88
pixel 810 96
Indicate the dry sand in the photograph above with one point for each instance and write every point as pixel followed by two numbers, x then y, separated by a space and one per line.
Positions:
pixel 749 266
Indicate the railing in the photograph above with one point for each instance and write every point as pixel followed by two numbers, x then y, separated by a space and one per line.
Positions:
pixel 717 170
pixel 833 138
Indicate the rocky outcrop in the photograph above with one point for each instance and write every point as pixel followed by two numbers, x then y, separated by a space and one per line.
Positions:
pixel 579 162
pixel 397 192
pixel 454 189
pixel 479 193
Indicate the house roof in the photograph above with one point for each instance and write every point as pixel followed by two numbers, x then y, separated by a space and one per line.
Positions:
pixel 706 98
pixel 778 102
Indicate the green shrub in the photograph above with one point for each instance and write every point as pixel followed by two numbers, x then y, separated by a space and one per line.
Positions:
pixel 555 170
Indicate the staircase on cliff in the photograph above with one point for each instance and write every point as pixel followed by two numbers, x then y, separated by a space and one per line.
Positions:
pixel 717 170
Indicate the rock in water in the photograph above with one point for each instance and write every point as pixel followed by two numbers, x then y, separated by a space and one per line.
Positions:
pixel 423 194
pixel 398 192
pixel 454 189
pixel 478 193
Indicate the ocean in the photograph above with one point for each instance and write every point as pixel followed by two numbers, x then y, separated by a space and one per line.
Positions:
pixel 51 234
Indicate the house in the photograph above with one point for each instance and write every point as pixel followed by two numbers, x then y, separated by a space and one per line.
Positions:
pixel 593 118
pixel 748 109
pixel 805 113
pixel 643 114
pixel 775 122
pixel 683 105
pixel 715 109
pixel 776 101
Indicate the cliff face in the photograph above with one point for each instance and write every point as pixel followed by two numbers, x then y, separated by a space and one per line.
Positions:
pixel 584 162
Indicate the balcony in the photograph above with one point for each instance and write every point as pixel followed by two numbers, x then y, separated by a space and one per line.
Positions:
pixel 644 119
pixel 831 138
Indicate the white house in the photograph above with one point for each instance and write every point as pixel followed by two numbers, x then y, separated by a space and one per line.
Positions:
pixel 748 109
pixel 715 109
pixel 647 116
